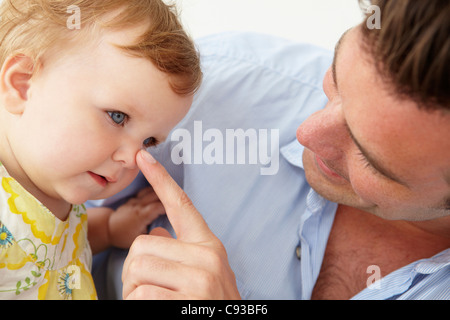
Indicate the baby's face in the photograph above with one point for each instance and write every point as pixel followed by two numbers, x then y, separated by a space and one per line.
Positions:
pixel 87 115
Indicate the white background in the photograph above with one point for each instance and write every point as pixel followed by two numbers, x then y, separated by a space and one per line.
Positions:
pixel 320 22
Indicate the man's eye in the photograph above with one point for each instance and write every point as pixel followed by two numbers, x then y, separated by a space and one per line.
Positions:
pixel 367 163
pixel 118 117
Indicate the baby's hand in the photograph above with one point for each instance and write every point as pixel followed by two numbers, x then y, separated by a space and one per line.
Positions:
pixel 132 219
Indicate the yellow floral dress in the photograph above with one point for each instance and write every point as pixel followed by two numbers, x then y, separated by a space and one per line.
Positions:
pixel 41 257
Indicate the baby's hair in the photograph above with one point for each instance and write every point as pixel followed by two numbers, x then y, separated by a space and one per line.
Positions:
pixel 33 27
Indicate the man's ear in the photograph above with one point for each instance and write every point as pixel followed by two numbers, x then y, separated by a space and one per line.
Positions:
pixel 15 80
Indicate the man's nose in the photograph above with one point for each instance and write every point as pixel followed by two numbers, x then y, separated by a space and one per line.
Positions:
pixel 324 132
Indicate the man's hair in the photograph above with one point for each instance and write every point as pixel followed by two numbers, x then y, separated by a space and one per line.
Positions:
pixel 32 27
pixel 412 49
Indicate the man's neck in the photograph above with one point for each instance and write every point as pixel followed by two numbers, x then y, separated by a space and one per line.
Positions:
pixel 438 227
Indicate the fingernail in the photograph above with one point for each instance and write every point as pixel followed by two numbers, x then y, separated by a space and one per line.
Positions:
pixel 148 157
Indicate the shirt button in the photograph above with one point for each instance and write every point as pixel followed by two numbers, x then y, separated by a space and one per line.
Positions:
pixel 298 252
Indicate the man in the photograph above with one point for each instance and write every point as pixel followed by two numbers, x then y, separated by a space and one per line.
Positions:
pixel 379 148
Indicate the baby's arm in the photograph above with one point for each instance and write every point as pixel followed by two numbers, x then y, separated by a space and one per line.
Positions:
pixel 119 228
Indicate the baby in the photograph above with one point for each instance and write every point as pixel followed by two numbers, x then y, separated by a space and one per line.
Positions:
pixel 84 85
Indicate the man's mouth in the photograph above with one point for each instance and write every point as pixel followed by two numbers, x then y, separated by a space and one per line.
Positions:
pixel 327 170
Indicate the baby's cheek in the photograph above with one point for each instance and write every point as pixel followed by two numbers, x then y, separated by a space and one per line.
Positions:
pixel 124 181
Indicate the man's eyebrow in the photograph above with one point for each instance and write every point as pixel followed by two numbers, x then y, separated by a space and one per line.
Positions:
pixel 373 162
pixel 336 52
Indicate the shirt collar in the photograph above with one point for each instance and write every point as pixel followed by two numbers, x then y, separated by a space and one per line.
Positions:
pixel 434 264
pixel 293 153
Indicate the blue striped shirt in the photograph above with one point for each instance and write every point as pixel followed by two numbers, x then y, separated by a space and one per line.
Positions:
pixel 275 227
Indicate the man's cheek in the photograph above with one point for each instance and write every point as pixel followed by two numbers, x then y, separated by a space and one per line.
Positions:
pixel 367 188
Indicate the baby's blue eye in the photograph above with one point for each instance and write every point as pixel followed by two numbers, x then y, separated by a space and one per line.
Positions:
pixel 118 117
pixel 150 142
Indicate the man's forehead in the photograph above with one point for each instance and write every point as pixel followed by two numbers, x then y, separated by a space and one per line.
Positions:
pixel 336 53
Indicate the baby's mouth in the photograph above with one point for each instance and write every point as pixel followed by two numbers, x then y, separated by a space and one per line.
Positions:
pixel 101 180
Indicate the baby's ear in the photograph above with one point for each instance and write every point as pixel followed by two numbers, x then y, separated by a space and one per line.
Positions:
pixel 15 80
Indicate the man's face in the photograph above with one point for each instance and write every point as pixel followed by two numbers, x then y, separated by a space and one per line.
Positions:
pixel 371 150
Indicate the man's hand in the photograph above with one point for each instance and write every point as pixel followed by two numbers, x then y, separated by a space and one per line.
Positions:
pixel 193 266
